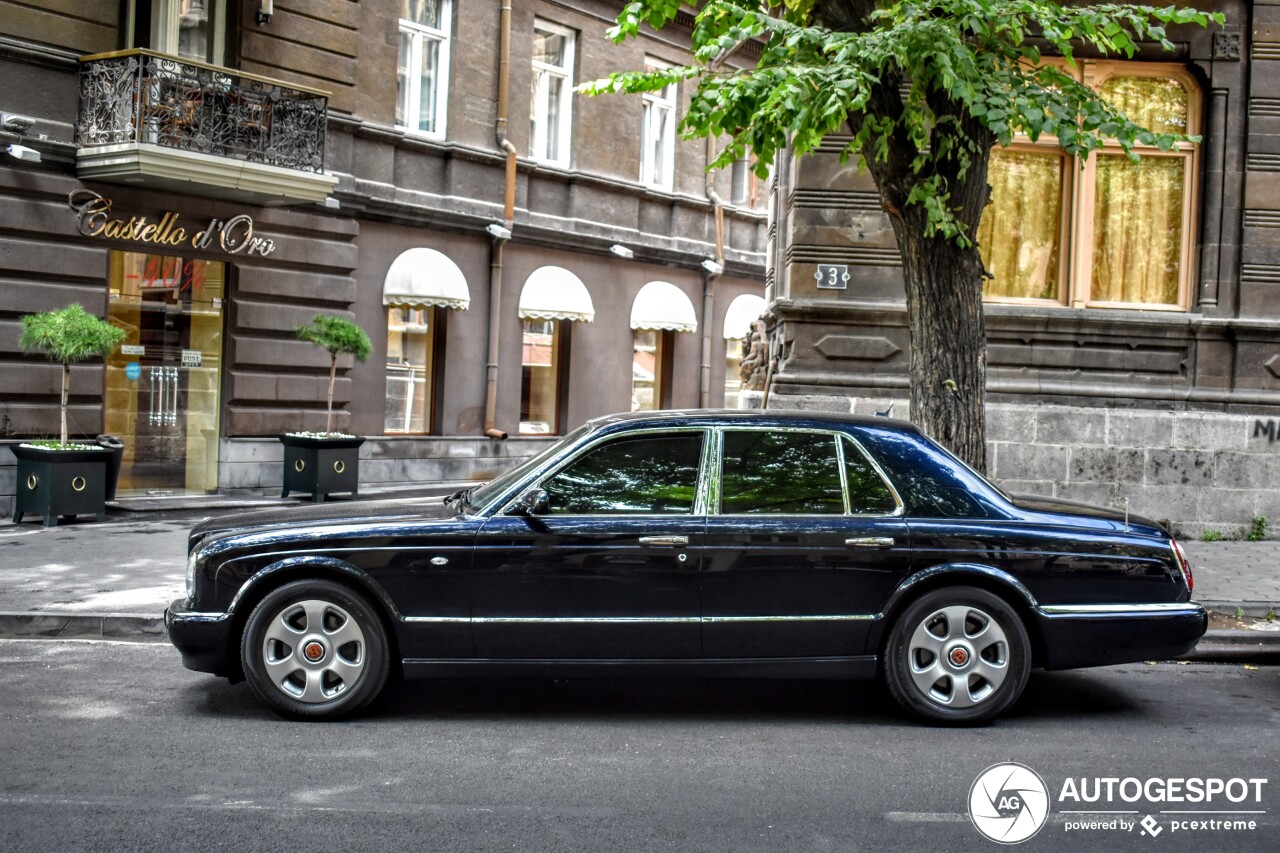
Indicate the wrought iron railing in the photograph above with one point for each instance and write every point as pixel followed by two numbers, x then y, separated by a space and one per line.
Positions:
pixel 142 96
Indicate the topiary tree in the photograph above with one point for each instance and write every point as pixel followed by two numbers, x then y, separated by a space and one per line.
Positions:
pixel 337 336
pixel 66 336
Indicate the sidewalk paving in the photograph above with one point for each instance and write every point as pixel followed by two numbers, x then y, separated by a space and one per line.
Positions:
pixel 113 579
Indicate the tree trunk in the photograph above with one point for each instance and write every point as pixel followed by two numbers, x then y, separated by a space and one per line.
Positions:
pixel 948 359
pixel 66 390
pixel 333 372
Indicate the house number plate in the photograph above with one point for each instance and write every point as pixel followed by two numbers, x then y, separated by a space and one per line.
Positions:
pixel 832 276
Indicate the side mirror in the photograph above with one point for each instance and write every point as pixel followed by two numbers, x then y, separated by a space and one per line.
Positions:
pixel 532 502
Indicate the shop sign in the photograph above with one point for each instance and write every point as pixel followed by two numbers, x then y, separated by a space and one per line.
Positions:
pixel 234 236
pixel 191 358
pixel 133 349
pixel 132 371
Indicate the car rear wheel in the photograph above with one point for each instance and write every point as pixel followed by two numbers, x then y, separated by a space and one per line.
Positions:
pixel 957 655
pixel 315 649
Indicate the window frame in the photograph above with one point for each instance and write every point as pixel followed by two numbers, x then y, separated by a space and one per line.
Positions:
pixel 564 129
pixel 418 34
pixel 164 30
pixel 1079 193
pixel 667 100
pixel 715 498
pixel 561 336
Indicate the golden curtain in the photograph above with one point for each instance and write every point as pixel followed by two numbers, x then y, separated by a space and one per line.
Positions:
pixel 1020 233
pixel 1137 229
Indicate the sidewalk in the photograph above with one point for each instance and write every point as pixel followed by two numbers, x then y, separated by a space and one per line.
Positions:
pixel 114 579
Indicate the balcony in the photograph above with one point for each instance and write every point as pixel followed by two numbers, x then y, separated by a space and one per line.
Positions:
pixel 165 123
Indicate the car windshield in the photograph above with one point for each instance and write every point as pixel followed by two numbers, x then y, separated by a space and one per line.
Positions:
pixel 483 495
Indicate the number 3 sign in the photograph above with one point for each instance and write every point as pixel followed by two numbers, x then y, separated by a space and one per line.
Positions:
pixel 832 276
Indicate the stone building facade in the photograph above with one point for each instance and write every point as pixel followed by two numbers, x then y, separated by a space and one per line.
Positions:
pixel 213 173
pixel 1134 316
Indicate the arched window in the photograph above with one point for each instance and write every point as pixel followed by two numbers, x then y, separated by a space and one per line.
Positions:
pixel 1115 233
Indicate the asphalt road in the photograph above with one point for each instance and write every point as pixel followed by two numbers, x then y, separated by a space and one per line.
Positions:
pixel 116 747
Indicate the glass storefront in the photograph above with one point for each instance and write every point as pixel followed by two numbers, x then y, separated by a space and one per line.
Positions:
pixel 163 382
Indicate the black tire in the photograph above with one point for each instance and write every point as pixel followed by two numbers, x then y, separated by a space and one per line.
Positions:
pixel 315 649
pixel 972 641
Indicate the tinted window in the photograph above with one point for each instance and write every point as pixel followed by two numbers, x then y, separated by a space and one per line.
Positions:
pixel 868 494
pixel 645 474
pixel 780 472
pixel 931 483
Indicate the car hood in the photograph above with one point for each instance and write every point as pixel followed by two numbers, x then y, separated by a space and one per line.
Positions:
pixel 321 514
pixel 1053 506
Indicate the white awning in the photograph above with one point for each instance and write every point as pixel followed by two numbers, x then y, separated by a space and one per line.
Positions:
pixel 743 311
pixel 661 305
pixel 421 278
pixel 554 293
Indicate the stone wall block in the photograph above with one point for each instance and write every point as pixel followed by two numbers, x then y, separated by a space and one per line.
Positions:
pixel 1139 430
pixel 1231 506
pixel 1071 426
pixel 1257 471
pixel 1008 423
pixel 1106 465
pixel 1098 494
pixel 1211 432
pixel 1180 468
pixel 1029 462
pixel 1162 503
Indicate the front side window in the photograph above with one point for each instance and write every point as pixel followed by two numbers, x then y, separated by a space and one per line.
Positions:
pixel 550 111
pixel 540 376
pixel 422 71
pixel 658 133
pixel 772 473
pixel 410 345
pixel 1115 233
pixel 642 475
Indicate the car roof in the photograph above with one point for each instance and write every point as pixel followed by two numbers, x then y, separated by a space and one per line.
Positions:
pixel 741 417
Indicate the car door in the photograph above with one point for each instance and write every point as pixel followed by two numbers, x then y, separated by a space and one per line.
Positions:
pixel 804 545
pixel 609 569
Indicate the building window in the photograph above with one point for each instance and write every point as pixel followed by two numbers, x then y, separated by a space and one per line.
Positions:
pixel 411 336
pixel 540 376
pixel 190 29
pixel 422 73
pixel 658 133
pixel 1113 234
pixel 649 368
pixel 551 110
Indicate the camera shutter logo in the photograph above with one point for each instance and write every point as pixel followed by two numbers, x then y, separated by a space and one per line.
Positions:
pixel 1008 803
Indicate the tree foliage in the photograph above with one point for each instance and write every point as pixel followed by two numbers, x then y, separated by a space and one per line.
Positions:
pixel 69 335
pixel 909 78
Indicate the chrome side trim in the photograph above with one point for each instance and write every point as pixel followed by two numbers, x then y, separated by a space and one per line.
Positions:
pixel 642 620
pixel 854 617
pixel 1119 609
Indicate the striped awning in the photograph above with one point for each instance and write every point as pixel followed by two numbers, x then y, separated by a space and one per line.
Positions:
pixel 422 278
pixel 554 293
pixel 660 306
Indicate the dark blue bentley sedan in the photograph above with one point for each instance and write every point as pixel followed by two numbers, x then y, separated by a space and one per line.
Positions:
pixel 709 543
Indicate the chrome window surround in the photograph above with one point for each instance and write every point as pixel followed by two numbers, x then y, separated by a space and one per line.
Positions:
pixel 709 472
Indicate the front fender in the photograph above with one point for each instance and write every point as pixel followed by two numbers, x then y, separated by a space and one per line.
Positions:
pixel 312 565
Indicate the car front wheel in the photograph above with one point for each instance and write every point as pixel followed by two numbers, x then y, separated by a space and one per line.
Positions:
pixel 315 649
pixel 957 655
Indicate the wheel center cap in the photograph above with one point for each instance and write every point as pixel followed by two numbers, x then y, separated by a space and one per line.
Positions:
pixel 959 656
pixel 313 651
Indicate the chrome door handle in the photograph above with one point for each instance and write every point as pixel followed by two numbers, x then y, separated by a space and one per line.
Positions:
pixel 871 542
pixel 664 540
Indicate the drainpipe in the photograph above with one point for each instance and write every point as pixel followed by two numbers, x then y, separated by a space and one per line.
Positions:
pixel 708 291
pixel 508 218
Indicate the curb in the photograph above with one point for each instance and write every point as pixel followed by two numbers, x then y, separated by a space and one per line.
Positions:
pixel 1243 646
pixel 131 627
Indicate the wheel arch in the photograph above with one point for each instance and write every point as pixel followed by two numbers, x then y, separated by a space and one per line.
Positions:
pixel 309 567
pixel 993 580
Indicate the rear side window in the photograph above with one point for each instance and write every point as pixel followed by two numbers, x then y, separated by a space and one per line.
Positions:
pixel 868 493
pixel 770 473
pixel 643 475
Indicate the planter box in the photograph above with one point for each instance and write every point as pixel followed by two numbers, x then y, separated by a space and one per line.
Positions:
pixel 321 466
pixel 54 483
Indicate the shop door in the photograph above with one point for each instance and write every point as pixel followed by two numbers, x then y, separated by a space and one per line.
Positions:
pixel 163 381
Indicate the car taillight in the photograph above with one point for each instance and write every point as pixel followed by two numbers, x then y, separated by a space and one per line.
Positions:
pixel 1184 565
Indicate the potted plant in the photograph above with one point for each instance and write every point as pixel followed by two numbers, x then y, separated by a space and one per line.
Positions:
pixel 322 463
pixel 57 478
